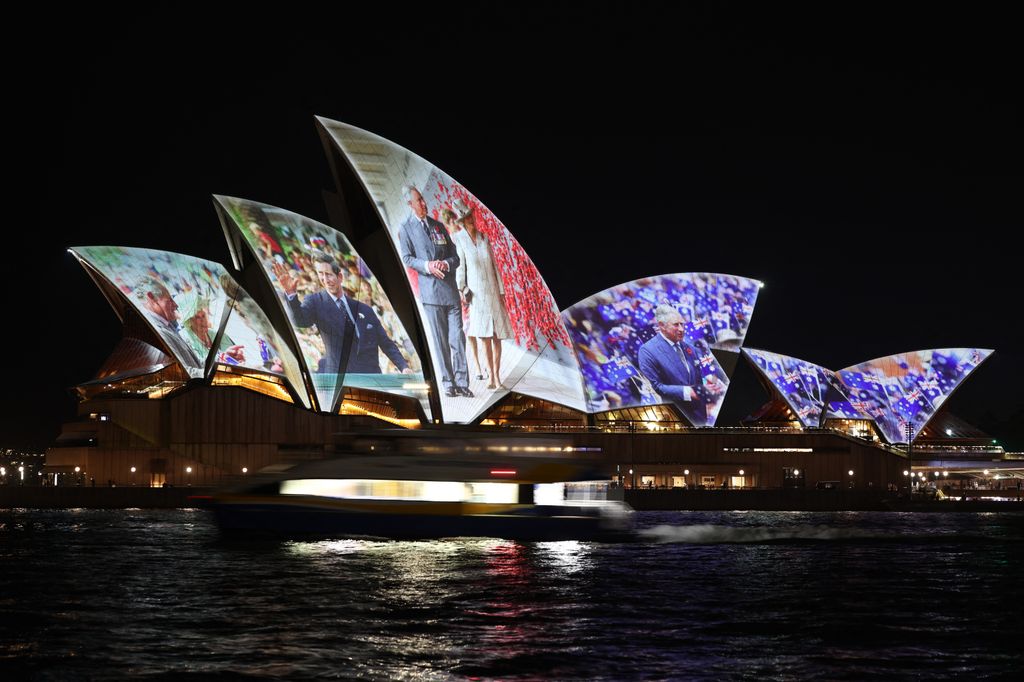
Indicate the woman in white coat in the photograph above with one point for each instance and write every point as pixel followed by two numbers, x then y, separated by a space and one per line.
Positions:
pixel 481 289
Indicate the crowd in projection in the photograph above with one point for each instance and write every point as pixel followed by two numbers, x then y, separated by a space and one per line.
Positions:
pixel 650 341
pixel 906 390
pixel 896 392
pixel 186 299
pixel 348 332
pixel 805 386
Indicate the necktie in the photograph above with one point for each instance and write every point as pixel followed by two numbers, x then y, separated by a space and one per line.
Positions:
pixel 343 304
pixel 686 364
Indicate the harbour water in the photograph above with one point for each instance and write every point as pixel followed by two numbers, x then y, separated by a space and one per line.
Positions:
pixel 98 594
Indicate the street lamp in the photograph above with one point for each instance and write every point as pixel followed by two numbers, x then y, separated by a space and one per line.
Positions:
pixel 133 475
pixel 245 470
pixel 188 475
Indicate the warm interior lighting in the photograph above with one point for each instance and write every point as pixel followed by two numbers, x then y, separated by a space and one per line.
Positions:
pixel 259 383
pixel 349 408
pixel 415 386
pixel 420 491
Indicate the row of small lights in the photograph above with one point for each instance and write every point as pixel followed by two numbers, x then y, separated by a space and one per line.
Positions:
pixel 921 474
pixel 78 470
pixel 21 470
pixel 686 472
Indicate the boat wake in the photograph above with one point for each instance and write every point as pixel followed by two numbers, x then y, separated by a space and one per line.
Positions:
pixel 707 534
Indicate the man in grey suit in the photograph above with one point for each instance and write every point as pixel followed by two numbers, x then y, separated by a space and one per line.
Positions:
pixel 427 248
pixel 673 367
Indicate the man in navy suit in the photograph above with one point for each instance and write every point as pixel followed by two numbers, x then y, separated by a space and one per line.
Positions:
pixel 345 324
pixel 673 367
pixel 427 248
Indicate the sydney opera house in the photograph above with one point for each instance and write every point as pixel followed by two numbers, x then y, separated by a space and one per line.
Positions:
pixel 418 309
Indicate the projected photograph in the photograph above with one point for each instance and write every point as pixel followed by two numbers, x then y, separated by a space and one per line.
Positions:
pixel 650 341
pixel 904 390
pixel 803 385
pixel 492 323
pixel 186 300
pixel 343 321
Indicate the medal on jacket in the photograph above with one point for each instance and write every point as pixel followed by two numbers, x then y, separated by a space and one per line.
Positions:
pixel 439 237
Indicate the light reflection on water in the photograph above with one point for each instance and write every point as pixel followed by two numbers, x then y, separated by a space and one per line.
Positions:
pixel 708 596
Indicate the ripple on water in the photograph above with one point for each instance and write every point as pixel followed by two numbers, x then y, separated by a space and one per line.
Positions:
pixel 92 594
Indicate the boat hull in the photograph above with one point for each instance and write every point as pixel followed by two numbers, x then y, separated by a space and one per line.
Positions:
pixel 288 518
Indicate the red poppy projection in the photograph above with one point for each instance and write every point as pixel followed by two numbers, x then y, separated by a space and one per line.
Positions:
pixel 491 323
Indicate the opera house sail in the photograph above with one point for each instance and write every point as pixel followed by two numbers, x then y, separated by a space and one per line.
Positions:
pixel 199 312
pixel 654 341
pixel 899 393
pixel 337 311
pixel 490 322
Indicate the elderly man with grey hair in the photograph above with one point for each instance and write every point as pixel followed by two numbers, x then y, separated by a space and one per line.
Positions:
pixel 673 367
pixel 163 314
pixel 427 248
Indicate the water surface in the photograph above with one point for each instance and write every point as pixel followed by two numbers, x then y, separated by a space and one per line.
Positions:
pixel 89 594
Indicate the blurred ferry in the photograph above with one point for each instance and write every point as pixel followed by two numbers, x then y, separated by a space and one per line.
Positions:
pixel 431 488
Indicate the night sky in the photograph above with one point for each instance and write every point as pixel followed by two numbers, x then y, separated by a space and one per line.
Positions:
pixel 865 165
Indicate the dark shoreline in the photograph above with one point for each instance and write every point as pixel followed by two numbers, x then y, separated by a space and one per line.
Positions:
pixel 126 497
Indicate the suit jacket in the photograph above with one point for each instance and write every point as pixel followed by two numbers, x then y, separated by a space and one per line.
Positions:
pixel 335 326
pixel 180 349
pixel 417 246
pixel 668 372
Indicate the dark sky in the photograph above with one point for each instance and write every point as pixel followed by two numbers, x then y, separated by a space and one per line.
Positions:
pixel 866 165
